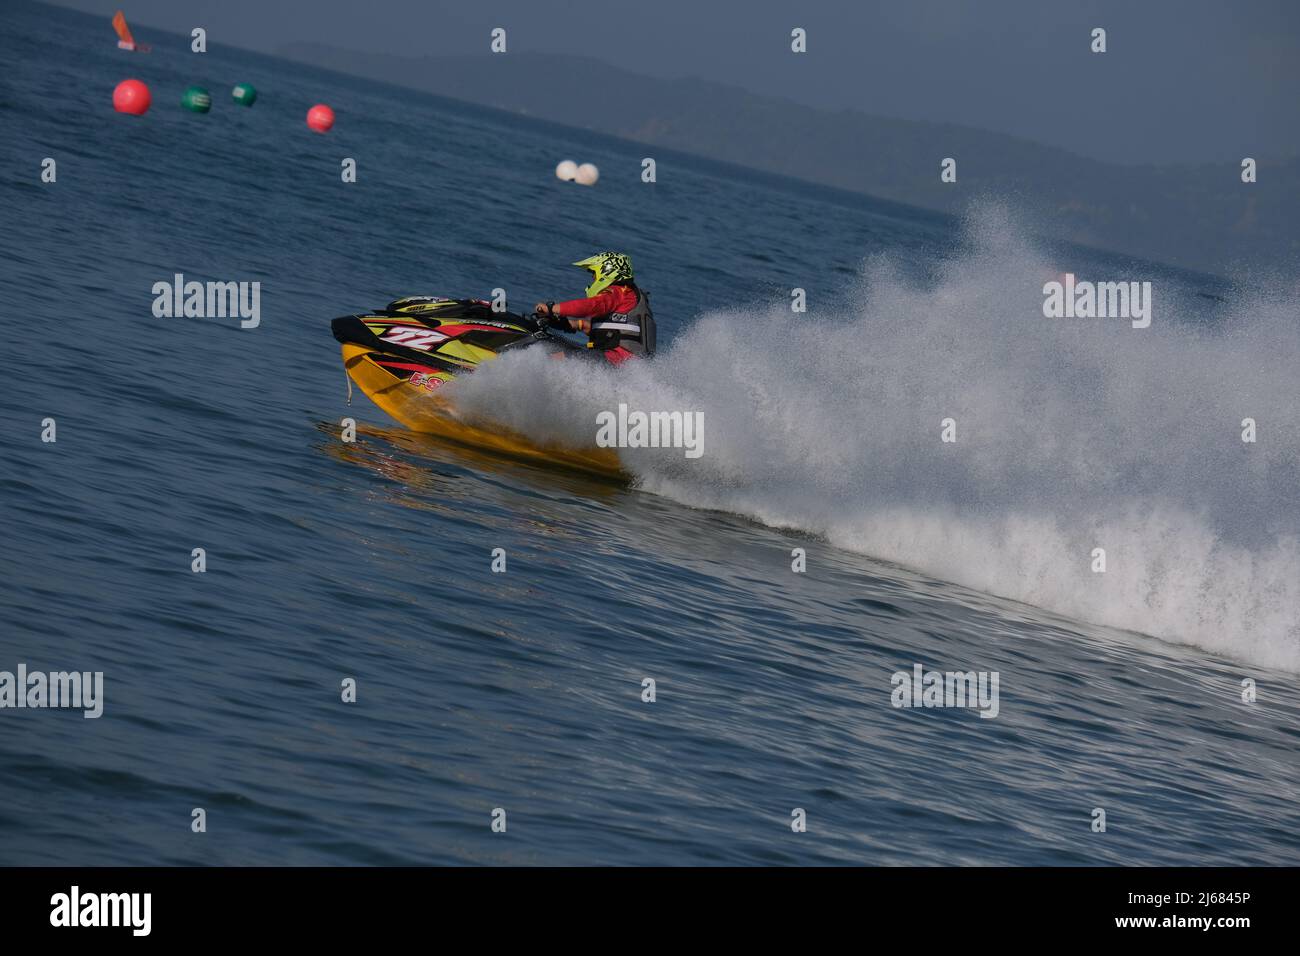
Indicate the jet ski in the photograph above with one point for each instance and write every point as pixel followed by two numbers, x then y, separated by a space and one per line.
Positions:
pixel 402 355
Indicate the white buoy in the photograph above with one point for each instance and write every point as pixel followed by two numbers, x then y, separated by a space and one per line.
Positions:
pixel 567 170
pixel 587 174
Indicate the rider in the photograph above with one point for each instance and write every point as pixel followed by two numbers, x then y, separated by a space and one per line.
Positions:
pixel 615 314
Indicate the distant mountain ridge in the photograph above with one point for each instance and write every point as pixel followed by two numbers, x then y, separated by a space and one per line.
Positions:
pixel 1196 216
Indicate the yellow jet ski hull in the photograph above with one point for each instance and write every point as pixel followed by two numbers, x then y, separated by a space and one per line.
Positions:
pixel 414 402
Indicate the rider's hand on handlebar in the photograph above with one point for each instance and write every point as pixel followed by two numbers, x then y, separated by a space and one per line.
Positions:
pixel 547 312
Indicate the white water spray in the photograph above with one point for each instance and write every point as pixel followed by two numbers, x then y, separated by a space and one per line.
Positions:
pixel 1072 434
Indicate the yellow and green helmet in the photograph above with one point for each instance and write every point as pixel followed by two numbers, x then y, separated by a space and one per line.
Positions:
pixel 606 268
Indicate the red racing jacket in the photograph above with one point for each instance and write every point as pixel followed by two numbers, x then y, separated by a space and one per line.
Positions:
pixel 617 298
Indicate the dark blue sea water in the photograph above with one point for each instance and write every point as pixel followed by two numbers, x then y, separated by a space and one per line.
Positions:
pixel 1119 691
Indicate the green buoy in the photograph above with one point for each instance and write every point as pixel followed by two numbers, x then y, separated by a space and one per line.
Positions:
pixel 196 99
pixel 244 94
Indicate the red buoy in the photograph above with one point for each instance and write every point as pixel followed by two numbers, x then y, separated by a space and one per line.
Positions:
pixel 131 96
pixel 320 118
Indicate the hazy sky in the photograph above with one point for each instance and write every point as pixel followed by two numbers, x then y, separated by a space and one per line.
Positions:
pixel 1184 80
